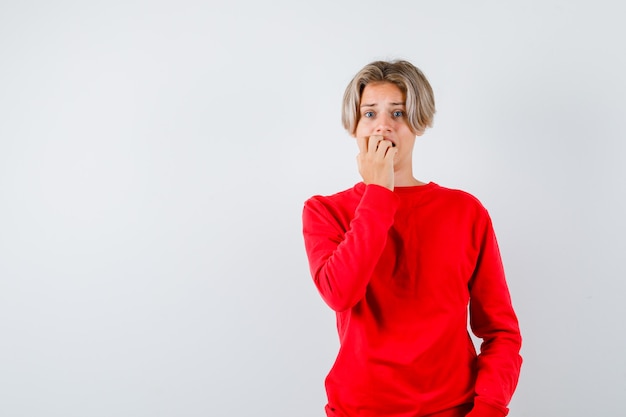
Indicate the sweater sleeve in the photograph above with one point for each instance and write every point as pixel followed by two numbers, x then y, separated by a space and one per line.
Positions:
pixel 493 319
pixel 342 261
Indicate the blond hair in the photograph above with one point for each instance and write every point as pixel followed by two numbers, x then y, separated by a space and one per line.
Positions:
pixel 420 101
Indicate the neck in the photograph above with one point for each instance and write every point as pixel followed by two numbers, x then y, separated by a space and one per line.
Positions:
pixel 405 178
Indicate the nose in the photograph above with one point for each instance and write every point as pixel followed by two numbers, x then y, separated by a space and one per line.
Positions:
pixel 384 123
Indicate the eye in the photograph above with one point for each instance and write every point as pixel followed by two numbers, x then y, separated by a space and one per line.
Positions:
pixel 398 113
pixel 368 114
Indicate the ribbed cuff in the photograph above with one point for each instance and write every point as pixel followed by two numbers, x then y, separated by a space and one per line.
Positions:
pixel 381 195
pixel 483 409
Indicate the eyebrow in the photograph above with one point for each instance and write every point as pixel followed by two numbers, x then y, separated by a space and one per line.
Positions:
pixel 374 105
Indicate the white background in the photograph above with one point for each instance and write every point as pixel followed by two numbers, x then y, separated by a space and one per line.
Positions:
pixel 155 156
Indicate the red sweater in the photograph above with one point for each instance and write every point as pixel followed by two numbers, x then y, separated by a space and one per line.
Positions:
pixel 400 268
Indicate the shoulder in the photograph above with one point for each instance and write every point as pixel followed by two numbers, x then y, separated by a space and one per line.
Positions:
pixel 335 210
pixel 459 199
pixel 457 195
pixel 348 197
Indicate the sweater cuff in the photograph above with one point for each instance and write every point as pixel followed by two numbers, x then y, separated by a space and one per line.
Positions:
pixel 381 203
pixel 381 197
pixel 483 409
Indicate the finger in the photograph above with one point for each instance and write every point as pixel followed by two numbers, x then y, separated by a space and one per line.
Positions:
pixel 391 144
pixel 391 153
pixel 373 141
pixel 362 144
pixel 383 148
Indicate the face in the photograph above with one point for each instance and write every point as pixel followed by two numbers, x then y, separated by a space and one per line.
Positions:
pixel 383 112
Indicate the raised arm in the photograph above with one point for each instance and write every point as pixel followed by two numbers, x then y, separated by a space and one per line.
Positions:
pixel 342 257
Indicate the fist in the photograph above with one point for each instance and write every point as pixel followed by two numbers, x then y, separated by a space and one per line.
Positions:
pixel 375 160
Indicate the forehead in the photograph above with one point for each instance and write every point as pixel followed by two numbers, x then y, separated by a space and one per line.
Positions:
pixel 382 92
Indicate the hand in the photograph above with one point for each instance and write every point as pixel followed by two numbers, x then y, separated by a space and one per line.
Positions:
pixel 375 161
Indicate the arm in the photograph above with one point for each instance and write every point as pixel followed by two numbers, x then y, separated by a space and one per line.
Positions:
pixel 341 262
pixel 493 319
